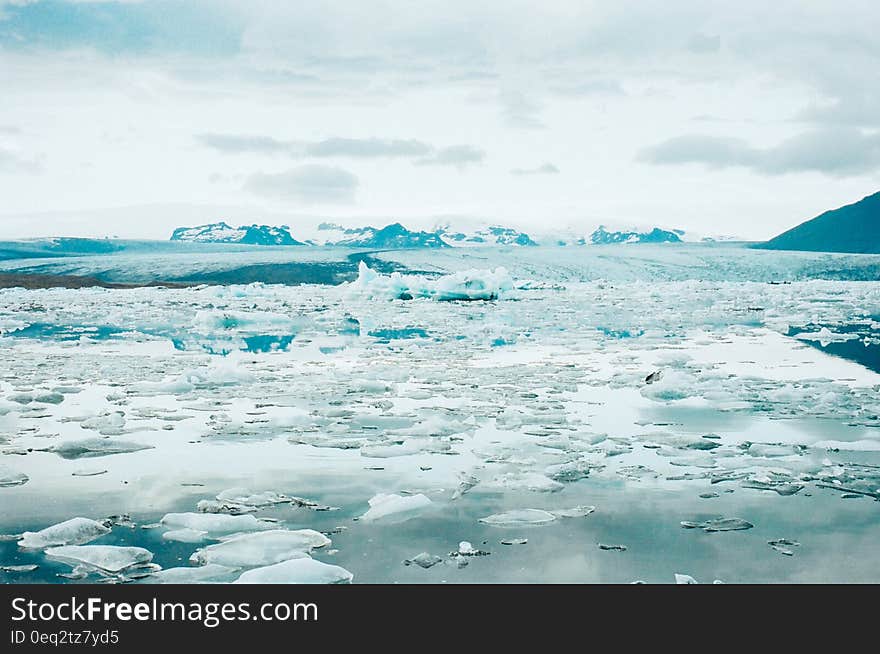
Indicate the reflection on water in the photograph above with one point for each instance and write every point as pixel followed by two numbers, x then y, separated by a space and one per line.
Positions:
pixel 856 341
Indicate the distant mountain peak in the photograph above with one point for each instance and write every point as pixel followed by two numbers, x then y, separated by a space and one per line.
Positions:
pixel 852 228
pixel 222 232
pixel 603 236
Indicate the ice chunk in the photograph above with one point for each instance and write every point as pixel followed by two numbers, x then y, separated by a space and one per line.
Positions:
pixel 514 541
pixel 247 498
pixel 10 477
pixel 576 512
pixel 719 524
pixel 783 545
pixel 262 548
pixel 109 558
pixel 75 531
pixel 424 560
pixel 190 575
pixel 92 447
pixel 297 571
pixel 215 524
pixel 519 518
pixel 29 567
pixel 185 535
pixel 684 579
pixel 395 506
pixel 466 285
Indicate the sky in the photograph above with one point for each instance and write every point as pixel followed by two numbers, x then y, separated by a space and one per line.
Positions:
pixel 129 118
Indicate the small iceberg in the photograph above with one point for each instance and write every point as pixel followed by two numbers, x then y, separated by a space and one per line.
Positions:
pixel 75 531
pixel 262 548
pixel 400 507
pixel 297 571
pixel 465 285
pixel 106 558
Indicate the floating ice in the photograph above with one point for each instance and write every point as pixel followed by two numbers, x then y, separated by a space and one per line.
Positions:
pixel 719 524
pixel 396 507
pixel 190 575
pixel 576 512
pixel 684 579
pixel 92 447
pixel 75 531
pixel 185 535
pixel 519 518
pixel 424 560
pixel 215 524
pixel 297 571
pixel 10 477
pixel 783 545
pixel 28 567
pixel 247 498
pixel 467 285
pixel 262 548
pixel 612 548
pixel 109 558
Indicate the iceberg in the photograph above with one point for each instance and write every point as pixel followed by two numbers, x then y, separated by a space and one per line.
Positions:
pixel 519 518
pixel 297 571
pixel 93 447
pixel 215 524
pixel 396 506
pixel 10 477
pixel 465 285
pixel 261 548
pixel 75 531
pixel 190 575
pixel 107 558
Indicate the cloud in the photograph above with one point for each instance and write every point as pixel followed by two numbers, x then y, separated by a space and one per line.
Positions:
pixel 372 147
pixel 835 151
pixel 545 169
pixel 520 111
pixel 12 162
pixel 310 184
pixel 423 154
pixel 454 155
pixel 330 147
pixel 242 143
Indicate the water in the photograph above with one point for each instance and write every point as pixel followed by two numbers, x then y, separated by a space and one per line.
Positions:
pixel 537 400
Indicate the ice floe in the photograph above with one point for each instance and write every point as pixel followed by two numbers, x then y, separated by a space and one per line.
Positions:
pixel 107 558
pixel 261 548
pixel 75 531
pixel 297 571
pixel 391 507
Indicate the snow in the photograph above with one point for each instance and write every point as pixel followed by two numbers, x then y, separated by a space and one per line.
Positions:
pixel 75 531
pixel 297 571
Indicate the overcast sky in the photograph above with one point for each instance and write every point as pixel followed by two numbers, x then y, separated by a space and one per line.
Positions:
pixel 130 118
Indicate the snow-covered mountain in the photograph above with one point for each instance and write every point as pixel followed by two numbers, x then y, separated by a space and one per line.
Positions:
pixel 484 236
pixel 604 236
pixel 394 236
pixel 246 234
